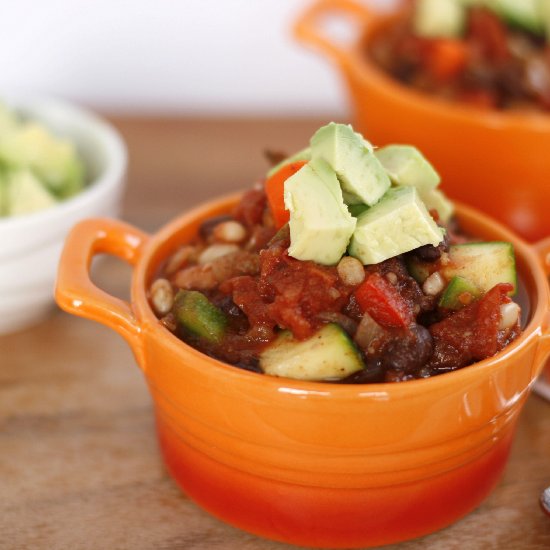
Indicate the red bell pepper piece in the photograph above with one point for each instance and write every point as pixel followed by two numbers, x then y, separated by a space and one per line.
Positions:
pixel 446 59
pixel 383 302
pixel 274 189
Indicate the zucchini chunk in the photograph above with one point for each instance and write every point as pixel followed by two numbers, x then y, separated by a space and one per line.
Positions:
pixel 457 289
pixel 196 314
pixel 327 355
pixel 483 264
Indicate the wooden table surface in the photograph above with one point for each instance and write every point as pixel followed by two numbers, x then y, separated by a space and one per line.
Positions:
pixel 79 464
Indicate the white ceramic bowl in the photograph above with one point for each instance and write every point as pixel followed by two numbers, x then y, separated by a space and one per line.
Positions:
pixel 30 245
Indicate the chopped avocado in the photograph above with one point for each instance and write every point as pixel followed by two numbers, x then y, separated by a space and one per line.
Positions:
pixel 304 154
pixel 25 193
pixel 362 177
pixel 320 224
pixel 198 316
pixel 53 160
pixel 457 290
pixel 526 14
pixel 439 18
pixel 327 355
pixel 544 11
pixel 3 195
pixel 397 224
pixel 436 200
pixel 356 209
pixel 8 121
pixel 483 264
pixel 406 165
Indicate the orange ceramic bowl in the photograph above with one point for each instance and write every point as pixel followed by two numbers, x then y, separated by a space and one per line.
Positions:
pixel 498 161
pixel 316 464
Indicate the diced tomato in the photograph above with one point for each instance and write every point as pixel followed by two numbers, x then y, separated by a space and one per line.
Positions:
pixel 274 189
pixel 470 334
pixel 446 58
pixel 383 302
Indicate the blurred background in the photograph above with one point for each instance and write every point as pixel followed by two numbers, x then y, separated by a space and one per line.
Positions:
pixel 192 57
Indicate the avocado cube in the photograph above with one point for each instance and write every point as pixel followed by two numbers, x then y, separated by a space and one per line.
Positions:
pixel 436 200
pixel 320 224
pixel 439 18
pixel 8 121
pixel 406 165
pixel 544 9
pixel 397 224
pixel 25 194
pixel 527 14
pixel 53 160
pixel 3 195
pixel 362 177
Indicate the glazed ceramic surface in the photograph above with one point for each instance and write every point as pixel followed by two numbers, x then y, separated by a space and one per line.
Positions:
pixel 497 161
pixel 315 464
pixel 31 244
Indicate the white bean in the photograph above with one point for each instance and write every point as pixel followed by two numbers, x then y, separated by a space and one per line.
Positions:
pixel 179 259
pixel 229 232
pixel 162 296
pixel 351 271
pixel 433 285
pixel 509 315
pixel 215 251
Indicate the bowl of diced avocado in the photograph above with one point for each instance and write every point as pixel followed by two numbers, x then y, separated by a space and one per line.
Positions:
pixel 58 164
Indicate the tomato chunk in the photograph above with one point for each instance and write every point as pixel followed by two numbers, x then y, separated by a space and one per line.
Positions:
pixel 383 302
pixel 447 58
pixel 274 189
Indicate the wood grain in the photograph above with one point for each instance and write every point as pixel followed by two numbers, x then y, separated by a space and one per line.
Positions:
pixel 79 465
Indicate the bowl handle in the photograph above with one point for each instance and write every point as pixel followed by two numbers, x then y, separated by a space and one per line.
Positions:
pixel 308 27
pixel 77 294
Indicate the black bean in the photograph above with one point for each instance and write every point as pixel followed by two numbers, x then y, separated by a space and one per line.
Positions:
pixel 408 351
pixel 371 374
pixel 430 253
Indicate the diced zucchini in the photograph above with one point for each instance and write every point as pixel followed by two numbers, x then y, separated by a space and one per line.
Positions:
pixel 453 297
pixel 483 264
pixel 197 315
pixel 328 355
pixel 418 269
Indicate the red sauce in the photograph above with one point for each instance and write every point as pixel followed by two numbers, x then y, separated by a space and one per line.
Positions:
pixel 262 290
